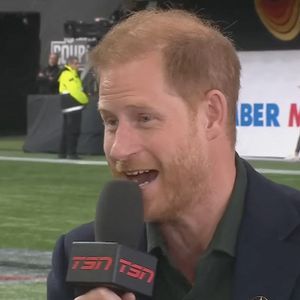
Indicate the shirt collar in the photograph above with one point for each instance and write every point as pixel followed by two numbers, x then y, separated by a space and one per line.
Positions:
pixel 226 233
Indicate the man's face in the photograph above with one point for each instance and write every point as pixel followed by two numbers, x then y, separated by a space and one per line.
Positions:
pixel 53 59
pixel 74 64
pixel 152 137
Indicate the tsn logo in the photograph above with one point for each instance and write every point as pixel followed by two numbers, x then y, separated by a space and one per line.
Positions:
pixel 105 262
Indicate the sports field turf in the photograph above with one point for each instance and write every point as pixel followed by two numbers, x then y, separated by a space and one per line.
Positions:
pixel 25 291
pixel 39 201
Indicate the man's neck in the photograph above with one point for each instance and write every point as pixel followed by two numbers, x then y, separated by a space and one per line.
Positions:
pixel 192 236
pixel 192 231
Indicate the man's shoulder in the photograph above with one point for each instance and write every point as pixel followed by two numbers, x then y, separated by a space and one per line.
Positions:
pixel 256 180
pixel 56 284
pixel 65 72
pixel 267 251
pixel 82 233
pixel 265 197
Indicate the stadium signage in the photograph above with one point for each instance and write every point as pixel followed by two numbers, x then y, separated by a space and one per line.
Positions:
pixel 70 47
pixel 268 111
pixel 266 114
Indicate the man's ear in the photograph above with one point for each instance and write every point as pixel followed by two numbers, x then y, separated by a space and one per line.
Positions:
pixel 216 113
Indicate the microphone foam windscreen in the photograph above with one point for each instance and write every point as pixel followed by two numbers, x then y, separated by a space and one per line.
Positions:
pixel 119 214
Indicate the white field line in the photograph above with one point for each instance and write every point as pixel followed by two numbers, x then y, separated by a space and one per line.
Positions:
pixel 24 266
pixel 104 163
pixel 54 160
pixel 277 171
pixel 259 158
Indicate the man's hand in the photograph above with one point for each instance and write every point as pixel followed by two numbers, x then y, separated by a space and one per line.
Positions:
pixel 104 294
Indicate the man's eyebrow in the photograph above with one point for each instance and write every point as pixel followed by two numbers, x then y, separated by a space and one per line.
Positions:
pixel 103 111
pixel 138 107
pixel 128 107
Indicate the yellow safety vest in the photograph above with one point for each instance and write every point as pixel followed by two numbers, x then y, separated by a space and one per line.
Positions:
pixel 70 83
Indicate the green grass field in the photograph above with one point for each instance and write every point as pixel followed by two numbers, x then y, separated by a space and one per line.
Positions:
pixel 26 291
pixel 45 200
pixel 40 201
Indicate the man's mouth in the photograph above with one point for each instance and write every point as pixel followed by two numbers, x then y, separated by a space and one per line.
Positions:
pixel 141 177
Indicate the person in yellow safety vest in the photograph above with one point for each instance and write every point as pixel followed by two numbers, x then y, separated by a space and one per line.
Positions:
pixel 73 100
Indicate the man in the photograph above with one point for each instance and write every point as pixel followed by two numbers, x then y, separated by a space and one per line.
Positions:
pixel 297 150
pixel 47 77
pixel 169 84
pixel 73 100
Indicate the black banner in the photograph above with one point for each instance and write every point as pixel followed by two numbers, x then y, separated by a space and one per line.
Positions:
pixel 44 126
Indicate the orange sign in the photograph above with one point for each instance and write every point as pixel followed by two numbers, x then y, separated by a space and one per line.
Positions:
pixel 280 17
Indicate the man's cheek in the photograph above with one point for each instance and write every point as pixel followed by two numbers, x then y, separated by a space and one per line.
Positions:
pixel 106 147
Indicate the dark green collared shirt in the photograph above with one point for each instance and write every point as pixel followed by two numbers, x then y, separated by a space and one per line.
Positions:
pixel 214 273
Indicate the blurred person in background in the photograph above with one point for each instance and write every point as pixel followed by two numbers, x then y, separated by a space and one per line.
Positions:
pixel 297 150
pixel 48 76
pixel 73 101
pixel 168 88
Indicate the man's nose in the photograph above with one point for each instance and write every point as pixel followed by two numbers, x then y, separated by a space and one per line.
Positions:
pixel 125 143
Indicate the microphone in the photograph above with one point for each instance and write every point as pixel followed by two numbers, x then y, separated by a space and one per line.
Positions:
pixel 119 214
pixel 114 259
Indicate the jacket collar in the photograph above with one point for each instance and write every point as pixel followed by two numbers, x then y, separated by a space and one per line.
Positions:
pixel 268 260
pixel 70 69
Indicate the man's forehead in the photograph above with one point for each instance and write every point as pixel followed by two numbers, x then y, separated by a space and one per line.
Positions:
pixel 105 80
pixel 152 58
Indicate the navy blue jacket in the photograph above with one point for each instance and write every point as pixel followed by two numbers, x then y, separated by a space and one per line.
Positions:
pixel 268 246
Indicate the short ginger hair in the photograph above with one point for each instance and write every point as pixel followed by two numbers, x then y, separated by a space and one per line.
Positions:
pixel 197 57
